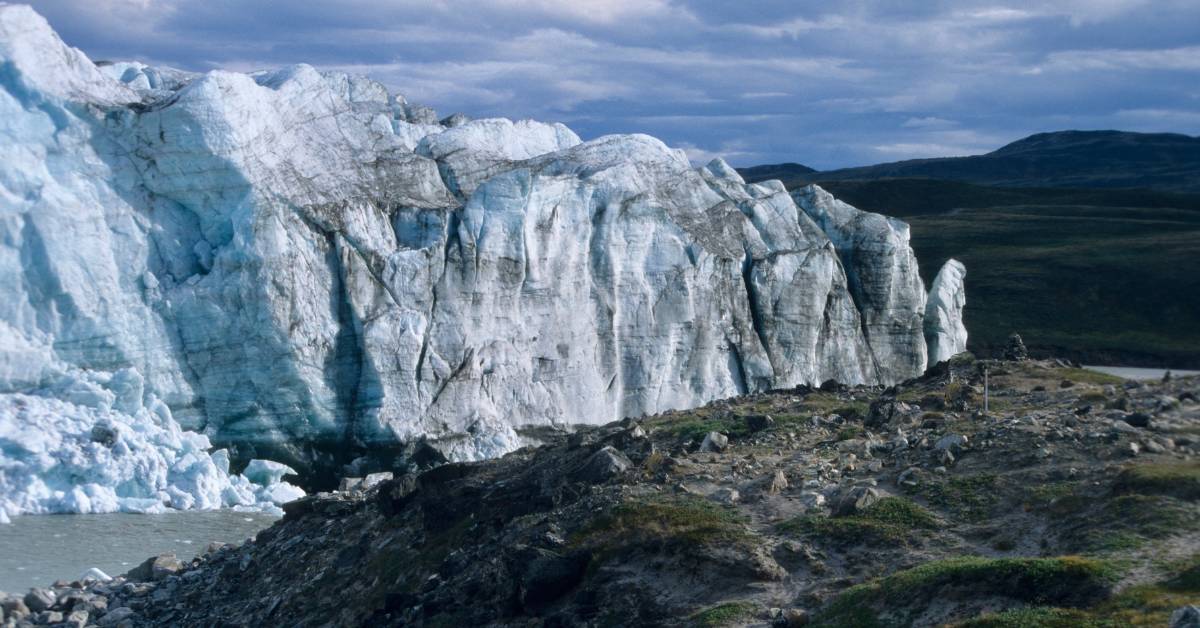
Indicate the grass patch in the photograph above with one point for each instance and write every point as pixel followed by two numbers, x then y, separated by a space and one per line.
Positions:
pixel 723 614
pixel 669 523
pixel 1123 523
pixel 849 432
pixel 1178 479
pixel 970 498
pixel 900 598
pixel 890 520
pixel 1084 376
pixel 1143 605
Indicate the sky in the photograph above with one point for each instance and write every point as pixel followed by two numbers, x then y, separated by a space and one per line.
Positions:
pixel 828 84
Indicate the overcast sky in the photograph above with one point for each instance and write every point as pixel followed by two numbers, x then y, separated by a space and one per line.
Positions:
pixel 827 83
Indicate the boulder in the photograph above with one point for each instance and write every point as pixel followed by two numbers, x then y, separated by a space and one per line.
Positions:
pixel 39 600
pixel 714 442
pixel 155 568
pixel 759 422
pixel 1186 617
pixel 607 463
pixel 855 500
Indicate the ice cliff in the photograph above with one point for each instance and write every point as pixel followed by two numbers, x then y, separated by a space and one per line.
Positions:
pixel 301 266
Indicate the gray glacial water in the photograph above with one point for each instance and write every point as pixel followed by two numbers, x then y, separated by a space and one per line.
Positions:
pixel 36 550
pixel 1131 372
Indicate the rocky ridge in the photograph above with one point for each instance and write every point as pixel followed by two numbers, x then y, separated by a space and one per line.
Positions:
pixel 1075 501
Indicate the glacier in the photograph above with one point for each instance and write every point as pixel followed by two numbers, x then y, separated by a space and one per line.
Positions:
pixel 299 266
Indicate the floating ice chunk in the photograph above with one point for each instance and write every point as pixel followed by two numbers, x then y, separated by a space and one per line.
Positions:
pixel 94 574
pixel 266 472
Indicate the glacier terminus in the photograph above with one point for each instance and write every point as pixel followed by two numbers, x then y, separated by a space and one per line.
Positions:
pixel 200 270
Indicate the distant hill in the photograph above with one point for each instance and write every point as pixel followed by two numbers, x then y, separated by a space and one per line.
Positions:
pixel 1063 159
pixel 775 171
pixel 1086 243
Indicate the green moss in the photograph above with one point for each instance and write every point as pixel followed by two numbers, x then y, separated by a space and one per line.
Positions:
pixel 669 523
pixel 1120 523
pixel 1085 376
pixel 969 497
pixel 897 599
pixel 723 614
pixel 1036 617
pixel 1180 479
pixel 849 432
pixel 890 520
pixel 1050 495
pixel 1143 605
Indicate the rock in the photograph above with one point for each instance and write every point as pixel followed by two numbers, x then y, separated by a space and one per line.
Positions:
pixel 1186 617
pixel 953 443
pixel 1015 349
pixel 155 568
pixel 1066 383
pixel 546 575
pixel 773 484
pixel 104 433
pixel 14 607
pixel 793 618
pixel 116 616
pixel 77 619
pixel 714 442
pixel 39 600
pixel 759 422
pixel 350 484
pixel 606 464
pixel 375 479
pixel 1137 419
pixel 855 500
pixel 1133 449
pixel 424 455
pixel 49 617
pixel 945 334
pixel 727 496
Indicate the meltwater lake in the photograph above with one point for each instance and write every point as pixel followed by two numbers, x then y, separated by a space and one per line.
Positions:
pixel 36 550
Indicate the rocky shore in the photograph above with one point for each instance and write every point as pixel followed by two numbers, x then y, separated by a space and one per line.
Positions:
pixel 1074 500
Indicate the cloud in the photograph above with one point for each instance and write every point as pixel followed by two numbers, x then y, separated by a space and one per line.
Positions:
pixel 829 85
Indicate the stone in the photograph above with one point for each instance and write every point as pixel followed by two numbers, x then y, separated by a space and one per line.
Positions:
pixel 49 617
pixel 39 599
pixel 604 465
pixel 773 484
pixel 1186 617
pixel 727 496
pixel 793 618
pixel 14 607
pixel 855 500
pixel 155 568
pixel 374 479
pixel 954 443
pixel 714 442
pixel 116 616
pixel 1015 348
pixel 546 575
pixel 759 422
pixel 1137 419
pixel 77 619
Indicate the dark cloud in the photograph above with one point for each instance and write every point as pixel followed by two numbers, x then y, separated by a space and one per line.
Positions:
pixel 824 83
